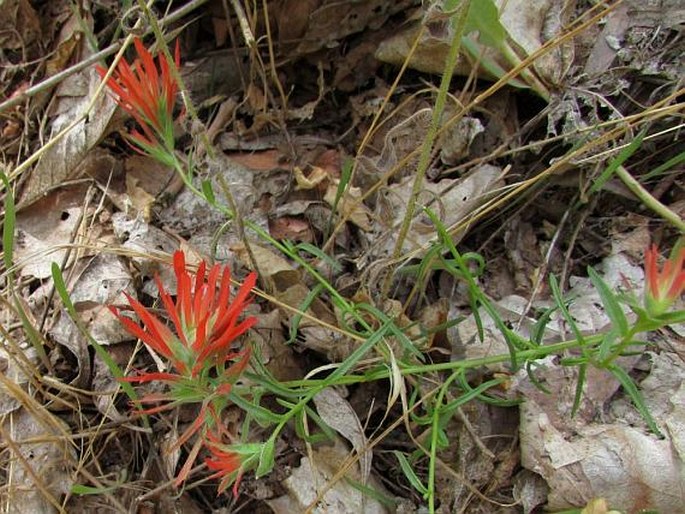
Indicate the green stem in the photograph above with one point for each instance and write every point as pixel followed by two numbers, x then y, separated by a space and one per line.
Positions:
pixel 646 198
pixel 264 235
pixel 458 24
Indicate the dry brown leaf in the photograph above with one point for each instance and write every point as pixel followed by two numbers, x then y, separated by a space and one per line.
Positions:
pixel 14 370
pixel 349 206
pixel 19 24
pixel 278 357
pixel 450 199
pixel 44 230
pixel 335 19
pixel 61 161
pixel 529 23
pixel 315 176
pixel 49 457
pixel 291 228
pixel 138 199
pixel 338 414
pixel 311 476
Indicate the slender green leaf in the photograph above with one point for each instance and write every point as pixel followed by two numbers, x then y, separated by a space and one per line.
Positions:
pixel 634 393
pixel 537 333
pixel 208 191
pixel 604 352
pixel 580 385
pixel 408 471
pixel 8 225
pixel 672 162
pixel 303 307
pixel 373 493
pixel 264 417
pixel 345 177
pixel 85 490
pixel 316 252
pixel 533 379
pixel 266 457
pixel 561 304
pixel 610 302
pixel 622 157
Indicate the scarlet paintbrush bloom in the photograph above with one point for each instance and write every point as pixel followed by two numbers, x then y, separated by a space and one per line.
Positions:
pixel 148 93
pixel 205 319
pixel 206 322
pixel 665 287
pixel 225 463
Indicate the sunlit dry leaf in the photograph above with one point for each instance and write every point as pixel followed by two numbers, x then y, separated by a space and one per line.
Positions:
pixel 314 177
pixel 44 230
pixel 529 25
pixel 349 205
pixel 60 162
pixel 48 454
pixel 307 480
pixel 338 414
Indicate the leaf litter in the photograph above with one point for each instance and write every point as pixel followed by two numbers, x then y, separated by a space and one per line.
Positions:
pixel 111 218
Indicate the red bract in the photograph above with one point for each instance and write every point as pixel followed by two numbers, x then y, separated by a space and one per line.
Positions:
pixel 205 319
pixel 225 463
pixel 663 287
pixel 148 95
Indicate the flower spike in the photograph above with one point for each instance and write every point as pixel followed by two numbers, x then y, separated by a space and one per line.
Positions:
pixel 663 287
pixel 206 322
pixel 148 94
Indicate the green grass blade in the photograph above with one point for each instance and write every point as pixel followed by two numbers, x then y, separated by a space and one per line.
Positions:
pixel 672 162
pixel 537 333
pixel 345 177
pixel 316 252
pixel 61 288
pixel 622 157
pixel 8 225
pixel 303 307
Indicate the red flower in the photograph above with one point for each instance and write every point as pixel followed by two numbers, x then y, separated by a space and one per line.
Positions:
pixel 665 287
pixel 226 464
pixel 148 94
pixel 206 323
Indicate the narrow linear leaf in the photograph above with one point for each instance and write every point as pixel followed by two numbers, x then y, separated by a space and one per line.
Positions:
pixel 578 396
pixel 672 162
pixel 409 473
pixel 266 458
pixel 8 224
pixel 610 302
pixel 559 300
pixel 622 157
pixel 635 395
pixel 208 191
